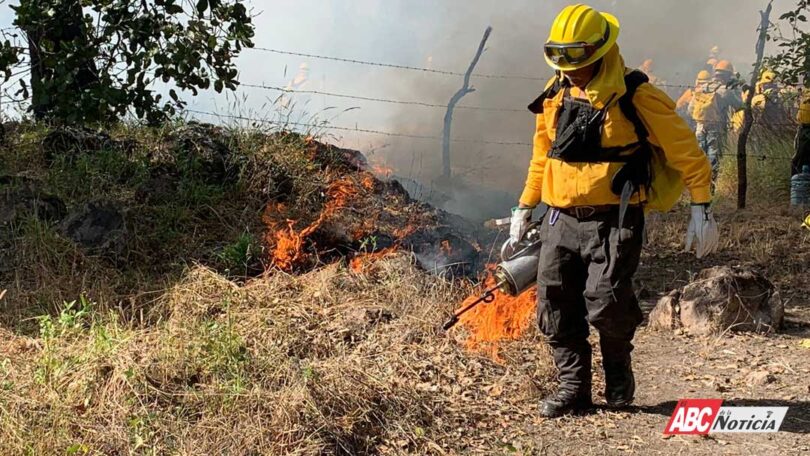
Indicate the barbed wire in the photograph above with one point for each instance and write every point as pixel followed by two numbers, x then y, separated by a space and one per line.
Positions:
pixel 358 130
pixel 396 66
pixel 442 106
pixel 761 157
pixel 381 100
pixel 675 85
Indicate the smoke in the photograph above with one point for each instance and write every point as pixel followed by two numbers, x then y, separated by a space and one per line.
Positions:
pixel 677 36
pixel 444 35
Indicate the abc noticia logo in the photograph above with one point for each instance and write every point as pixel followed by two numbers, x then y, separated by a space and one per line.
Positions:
pixel 705 416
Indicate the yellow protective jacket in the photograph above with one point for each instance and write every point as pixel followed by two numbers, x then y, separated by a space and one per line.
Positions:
pixel 561 184
pixel 684 100
pixel 803 116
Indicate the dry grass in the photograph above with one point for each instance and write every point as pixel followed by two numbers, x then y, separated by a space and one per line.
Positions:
pixel 770 238
pixel 155 356
pixel 331 362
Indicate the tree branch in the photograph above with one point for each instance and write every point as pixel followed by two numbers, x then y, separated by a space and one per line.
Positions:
pixel 464 90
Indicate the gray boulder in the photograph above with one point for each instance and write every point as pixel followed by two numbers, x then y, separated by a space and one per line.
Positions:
pixel 720 299
pixel 21 197
pixel 97 227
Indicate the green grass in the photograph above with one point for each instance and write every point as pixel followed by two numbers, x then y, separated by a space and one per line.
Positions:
pixel 768 166
pixel 194 219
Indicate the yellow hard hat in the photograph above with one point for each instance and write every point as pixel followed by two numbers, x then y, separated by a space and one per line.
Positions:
pixel 724 65
pixel 703 76
pixel 767 76
pixel 580 36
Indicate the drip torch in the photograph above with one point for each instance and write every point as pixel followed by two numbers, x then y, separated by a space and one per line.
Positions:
pixel 516 272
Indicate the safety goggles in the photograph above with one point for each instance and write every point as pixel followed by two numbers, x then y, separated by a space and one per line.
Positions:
pixel 574 53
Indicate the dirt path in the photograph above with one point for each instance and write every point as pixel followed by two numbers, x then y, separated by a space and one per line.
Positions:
pixel 745 370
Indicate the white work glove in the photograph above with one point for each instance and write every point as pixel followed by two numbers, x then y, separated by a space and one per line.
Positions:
pixel 519 223
pixel 702 230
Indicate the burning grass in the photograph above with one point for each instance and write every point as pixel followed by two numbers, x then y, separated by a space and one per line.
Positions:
pixel 330 362
pixel 335 349
pixel 505 318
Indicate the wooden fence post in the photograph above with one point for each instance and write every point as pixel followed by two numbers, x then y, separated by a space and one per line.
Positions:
pixel 448 116
pixel 748 118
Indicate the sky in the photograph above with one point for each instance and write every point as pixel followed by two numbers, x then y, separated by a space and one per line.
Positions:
pixel 443 34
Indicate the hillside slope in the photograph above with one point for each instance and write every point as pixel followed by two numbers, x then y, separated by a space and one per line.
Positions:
pixel 203 290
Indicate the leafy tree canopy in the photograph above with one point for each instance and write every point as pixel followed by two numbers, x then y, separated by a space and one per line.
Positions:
pixel 98 60
pixel 792 37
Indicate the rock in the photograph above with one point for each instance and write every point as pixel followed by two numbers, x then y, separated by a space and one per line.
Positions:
pixel 72 141
pixel 97 227
pixel 204 150
pixel 721 298
pixel 161 186
pixel 327 155
pixel 759 378
pixel 21 197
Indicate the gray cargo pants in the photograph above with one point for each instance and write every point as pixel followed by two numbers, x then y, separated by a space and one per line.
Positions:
pixel 585 272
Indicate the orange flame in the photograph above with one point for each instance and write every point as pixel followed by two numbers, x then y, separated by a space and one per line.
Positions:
pixel 505 318
pixel 287 241
pixel 288 251
pixel 368 182
pixel 360 262
pixel 381 170
pixel 405 231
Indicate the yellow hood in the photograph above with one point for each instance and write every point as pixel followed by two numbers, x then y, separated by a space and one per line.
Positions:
pixel 608 85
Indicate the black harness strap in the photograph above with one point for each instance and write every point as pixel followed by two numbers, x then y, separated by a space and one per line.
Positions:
pixel 638 168
pixel 536 106
pixel 632 81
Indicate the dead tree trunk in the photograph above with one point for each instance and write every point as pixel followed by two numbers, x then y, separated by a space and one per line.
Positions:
pixel 448 116
pixel 748 119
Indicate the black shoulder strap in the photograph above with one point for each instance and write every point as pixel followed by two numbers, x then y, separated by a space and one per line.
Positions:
pixel 536 106
pixel 632 81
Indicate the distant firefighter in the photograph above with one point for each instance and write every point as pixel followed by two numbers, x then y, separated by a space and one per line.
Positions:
pixel 682 105
pixel 768 105
pixel 710 108
pixel 298 82
pixel 802 156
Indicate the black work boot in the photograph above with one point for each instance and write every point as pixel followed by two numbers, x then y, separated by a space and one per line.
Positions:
pixel 564 402
pixel 620 384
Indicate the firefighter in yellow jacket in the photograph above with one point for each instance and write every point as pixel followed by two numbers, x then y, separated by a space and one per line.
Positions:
pixel 802 156
pixel 607 146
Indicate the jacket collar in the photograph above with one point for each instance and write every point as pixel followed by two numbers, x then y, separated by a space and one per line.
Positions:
pixel 608 84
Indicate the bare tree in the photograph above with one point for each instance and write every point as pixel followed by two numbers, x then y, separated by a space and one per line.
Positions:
pixel 748 119
pixel 464 90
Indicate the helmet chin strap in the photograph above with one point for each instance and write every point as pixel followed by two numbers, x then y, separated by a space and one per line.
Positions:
pixel 596 67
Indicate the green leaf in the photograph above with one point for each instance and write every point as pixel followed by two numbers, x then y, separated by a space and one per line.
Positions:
pixel 202 5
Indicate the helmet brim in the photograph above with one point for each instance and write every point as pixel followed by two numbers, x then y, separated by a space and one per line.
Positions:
pixel 613 23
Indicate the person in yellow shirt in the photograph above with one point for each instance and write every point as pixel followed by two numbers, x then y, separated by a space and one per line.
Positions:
pixel 802 155
pixel 682 105
pixel 607 146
